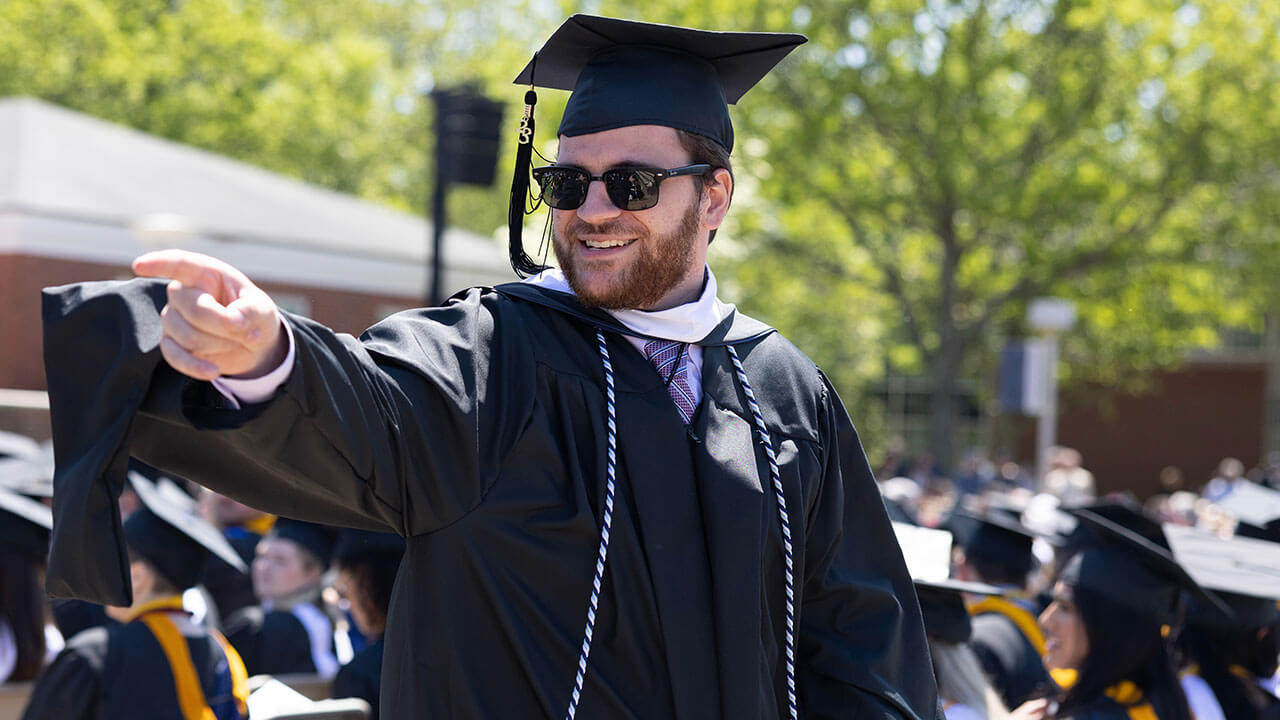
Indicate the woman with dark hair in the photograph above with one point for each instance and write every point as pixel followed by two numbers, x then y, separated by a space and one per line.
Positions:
pixel 24 543
pixel 1233 657
pixel 367 563
pixel 1108 630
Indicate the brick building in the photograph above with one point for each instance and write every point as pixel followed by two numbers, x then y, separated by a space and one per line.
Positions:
pixel 80 198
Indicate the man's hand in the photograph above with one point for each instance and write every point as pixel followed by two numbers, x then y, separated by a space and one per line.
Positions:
pixel 217 321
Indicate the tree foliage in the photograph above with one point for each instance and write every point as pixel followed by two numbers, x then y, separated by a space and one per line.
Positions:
pixel 924 169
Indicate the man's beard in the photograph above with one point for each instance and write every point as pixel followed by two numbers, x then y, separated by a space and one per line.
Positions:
pixel 662 262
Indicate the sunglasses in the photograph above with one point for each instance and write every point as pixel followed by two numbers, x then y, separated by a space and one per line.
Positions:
pixel 629 188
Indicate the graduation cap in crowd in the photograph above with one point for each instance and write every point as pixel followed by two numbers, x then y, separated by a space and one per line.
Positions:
pixel 26 466
pixel 994 537
pixel 318 540
pixel 623 73
pixel 1132 571
pixel 25 525
pixel 166 534
pixel 1127 513
pixel 1243 572
pixel 927 553
pixel 1256 510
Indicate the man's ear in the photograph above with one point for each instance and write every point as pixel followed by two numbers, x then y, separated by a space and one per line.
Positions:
pixel 719 192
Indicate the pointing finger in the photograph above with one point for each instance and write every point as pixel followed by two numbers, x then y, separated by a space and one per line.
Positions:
pixel 193 269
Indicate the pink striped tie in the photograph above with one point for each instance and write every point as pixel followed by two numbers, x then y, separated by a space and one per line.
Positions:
pixel 663 354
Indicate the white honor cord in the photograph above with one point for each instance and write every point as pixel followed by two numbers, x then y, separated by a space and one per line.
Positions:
pixel 774 474
pixel 606 523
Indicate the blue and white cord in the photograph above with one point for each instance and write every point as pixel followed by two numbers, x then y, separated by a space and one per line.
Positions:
pixel 610 472
pixel 776 476
pixel 606 524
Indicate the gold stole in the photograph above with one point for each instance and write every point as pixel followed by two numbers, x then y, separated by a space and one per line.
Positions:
pixel 1025 621
pixel 190 696
pixel 1123 692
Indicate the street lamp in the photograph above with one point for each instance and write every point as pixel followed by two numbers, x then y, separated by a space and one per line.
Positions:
pixel 1049 318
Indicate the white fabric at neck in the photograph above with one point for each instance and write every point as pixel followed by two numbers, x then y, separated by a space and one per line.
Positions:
pixel 684 323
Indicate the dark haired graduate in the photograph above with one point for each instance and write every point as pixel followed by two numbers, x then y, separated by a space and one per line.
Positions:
pixel 621 497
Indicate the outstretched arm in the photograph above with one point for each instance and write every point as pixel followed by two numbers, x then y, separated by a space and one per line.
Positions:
pixel 217 322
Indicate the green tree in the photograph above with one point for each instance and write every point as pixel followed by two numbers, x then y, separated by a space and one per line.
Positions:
pixel 919 171
pixel 331 93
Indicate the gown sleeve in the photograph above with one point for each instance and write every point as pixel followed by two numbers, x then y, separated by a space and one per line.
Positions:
pixel 862 645
pixel 70 687
pixel 394 431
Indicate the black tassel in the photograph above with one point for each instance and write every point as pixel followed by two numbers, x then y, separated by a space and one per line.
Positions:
pixel 520 260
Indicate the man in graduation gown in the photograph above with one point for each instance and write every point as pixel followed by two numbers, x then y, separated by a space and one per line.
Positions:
pixel 586 531
pixel 157 664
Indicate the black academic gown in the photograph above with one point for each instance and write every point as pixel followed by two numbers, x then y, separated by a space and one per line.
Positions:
pixel 271 643
pixel 1009 659
pixel 121 673
pixel 362 677
pixel 477 431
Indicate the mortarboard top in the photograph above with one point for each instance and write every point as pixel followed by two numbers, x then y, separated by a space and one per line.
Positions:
pixel 25 465
pixel 19 446
pixel 1269 532
pixel 928 556
pixel 314 538
pixel 926 551
pixel 624 73
pixel 24 525
pixel 1132 571
pixel 1252 503
pixel 170 537
pixel 994 537
pixel 1129 514
pixel 1244 572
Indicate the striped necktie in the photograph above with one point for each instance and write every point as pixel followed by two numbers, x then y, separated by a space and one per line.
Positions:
pixel 668 358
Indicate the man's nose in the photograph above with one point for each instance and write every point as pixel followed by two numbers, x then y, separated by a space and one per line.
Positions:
pixel 597 208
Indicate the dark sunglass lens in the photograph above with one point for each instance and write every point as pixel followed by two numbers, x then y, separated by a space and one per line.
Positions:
pixel 562 188
pixel 632 188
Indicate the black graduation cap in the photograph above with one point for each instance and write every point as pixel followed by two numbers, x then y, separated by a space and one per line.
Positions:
pixel 165 533
pixel 1132 571
pixel 25 525
pixel 927 553
pixel 314 538
pixel 994 537
pixel 1127 513
pixel 625 73
pixel 946 617
pixel 1244 572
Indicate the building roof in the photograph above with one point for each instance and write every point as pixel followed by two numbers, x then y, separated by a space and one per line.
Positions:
pixel 63 164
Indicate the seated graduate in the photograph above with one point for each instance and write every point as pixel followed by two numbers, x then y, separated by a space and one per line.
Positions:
pixel 964 690
pixel 997 550
pixel 291 631
pixel 1109 629
pixel 963 687
pixel 24 544
pixel 158 663
pixel 367 563
pixel 1232 656
pixel 243 527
